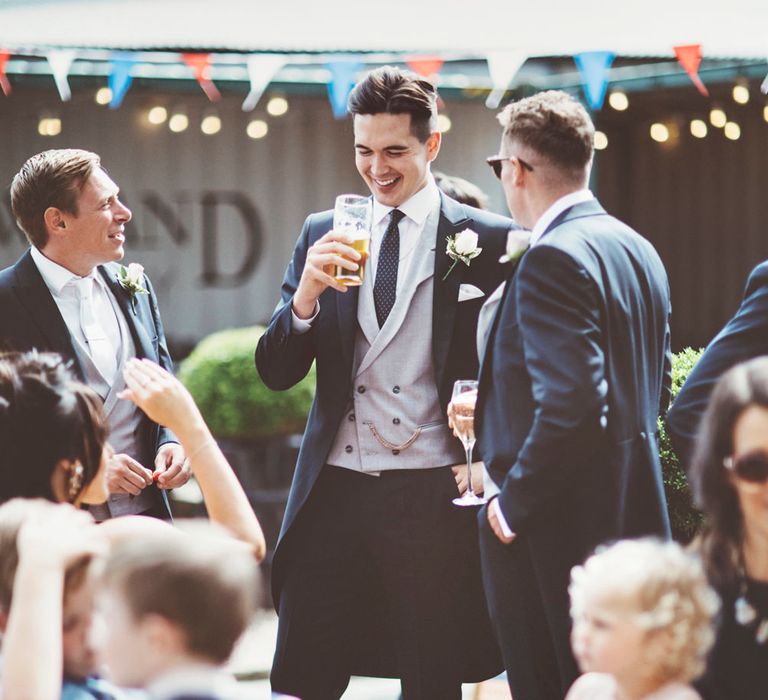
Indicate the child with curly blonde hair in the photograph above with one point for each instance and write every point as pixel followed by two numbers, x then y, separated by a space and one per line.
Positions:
pixel 642 622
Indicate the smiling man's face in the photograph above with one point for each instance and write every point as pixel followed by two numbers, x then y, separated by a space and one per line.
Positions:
pixel 391 160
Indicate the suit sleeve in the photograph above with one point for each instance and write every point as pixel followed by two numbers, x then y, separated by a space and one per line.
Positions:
pixel 284 358
pixel 163 357
pixel 558 314
pixel 745 336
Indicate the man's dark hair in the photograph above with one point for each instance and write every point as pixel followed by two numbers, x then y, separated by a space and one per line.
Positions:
pixel 390 90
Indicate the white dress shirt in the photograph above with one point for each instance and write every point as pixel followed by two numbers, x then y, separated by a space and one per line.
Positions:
pixel 62 285
pixel 539 229
pixel 416 209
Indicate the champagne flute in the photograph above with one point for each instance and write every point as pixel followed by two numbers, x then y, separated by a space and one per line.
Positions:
pixel 352 215
pixel 463 415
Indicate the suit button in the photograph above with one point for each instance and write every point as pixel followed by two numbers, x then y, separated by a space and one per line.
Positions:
pixel 361 389
pixel 348 449
pixel 395 452
pixel 351 417
pixel 395 389
pixel 396 421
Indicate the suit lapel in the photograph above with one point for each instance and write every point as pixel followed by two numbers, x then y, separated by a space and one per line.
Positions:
pixel 35 297
pixel 446 293
pixel 137 321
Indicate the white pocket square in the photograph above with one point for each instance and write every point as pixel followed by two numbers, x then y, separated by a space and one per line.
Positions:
pixel 469 291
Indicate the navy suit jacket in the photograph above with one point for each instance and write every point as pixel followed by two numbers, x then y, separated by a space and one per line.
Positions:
pixel 744 337
pixel 284 358
pixel 575 374
pixel 29 318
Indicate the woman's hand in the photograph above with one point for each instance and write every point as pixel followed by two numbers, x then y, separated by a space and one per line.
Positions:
pixel 159 394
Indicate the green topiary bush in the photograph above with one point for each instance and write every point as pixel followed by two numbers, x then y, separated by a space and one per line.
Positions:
pixel 684 516
pixel 221 376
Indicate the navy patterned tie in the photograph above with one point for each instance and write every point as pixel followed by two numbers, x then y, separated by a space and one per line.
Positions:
pixel 385 287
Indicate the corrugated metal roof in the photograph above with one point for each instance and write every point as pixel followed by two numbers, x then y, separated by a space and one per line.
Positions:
pixel 556 27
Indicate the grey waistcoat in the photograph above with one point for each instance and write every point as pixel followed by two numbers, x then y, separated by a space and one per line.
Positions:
pixel 124 417
pixel 394 419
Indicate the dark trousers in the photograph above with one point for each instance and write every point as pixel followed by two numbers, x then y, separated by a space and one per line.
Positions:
pixel 529 613
pixel 375 586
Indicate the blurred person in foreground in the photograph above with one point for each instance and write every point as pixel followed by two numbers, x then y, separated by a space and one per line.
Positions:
pixel 730 479
pixel 69 467
pixel 642 622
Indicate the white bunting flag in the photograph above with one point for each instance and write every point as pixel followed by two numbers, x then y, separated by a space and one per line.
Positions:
pixel 61 62
pixel 261 69
pixel 503 66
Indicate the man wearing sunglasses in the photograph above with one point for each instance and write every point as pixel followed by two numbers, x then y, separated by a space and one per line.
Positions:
pixel 573 378
pixel 743 338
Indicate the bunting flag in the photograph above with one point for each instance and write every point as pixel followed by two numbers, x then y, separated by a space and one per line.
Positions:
pixel 200 63
pixel 689 57
pixel 61 61
pixel 343 77
pixel 120 77
pixel 5 84
pixel 428 66
pixel 764 85
pixel 503 66
pixel 261 69
pixel 593 67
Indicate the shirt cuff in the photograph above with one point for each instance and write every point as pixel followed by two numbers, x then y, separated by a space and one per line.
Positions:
pixel 489 485
pixel 496 508
pixel 302 325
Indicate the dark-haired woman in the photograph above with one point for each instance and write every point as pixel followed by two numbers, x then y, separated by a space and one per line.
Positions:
pixel 53 441
pixel 730 475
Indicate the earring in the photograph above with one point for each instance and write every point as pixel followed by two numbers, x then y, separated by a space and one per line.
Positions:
pixel 75 480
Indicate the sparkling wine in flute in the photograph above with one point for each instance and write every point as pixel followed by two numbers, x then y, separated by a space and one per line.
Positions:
pixel 464 420
pixel 463 417
pixel 352 216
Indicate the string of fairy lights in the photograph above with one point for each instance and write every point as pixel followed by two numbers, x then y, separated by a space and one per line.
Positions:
pixel 177 119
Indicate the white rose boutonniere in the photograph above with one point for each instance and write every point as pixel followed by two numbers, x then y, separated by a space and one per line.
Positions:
pixel 518 241
pixel 462 246
pixel 131 279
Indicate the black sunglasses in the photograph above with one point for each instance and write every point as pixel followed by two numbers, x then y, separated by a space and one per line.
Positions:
pixel 496 161
pixel 752 466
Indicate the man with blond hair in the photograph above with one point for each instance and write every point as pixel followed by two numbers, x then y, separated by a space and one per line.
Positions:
pixel 571 385
pixel 67 294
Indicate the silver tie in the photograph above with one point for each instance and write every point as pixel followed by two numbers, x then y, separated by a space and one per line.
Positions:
pixel 100 347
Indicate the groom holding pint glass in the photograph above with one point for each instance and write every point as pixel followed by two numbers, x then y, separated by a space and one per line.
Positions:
pixel 376 571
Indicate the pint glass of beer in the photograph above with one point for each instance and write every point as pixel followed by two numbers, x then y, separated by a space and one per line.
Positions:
pixel 352 215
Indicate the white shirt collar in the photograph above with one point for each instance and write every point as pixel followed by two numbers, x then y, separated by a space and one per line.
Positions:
pixel 55 276
pixel 194 679
pixel 417 208
pixel 557 208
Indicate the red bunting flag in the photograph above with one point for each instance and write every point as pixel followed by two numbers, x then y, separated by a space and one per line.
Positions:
pixel 428 66
pixel 689 57
pixel 4 82
pixel 200 63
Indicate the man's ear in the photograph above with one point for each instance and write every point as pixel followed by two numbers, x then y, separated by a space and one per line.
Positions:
pixel 433 145
pixel 162 635
pixel 55 220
